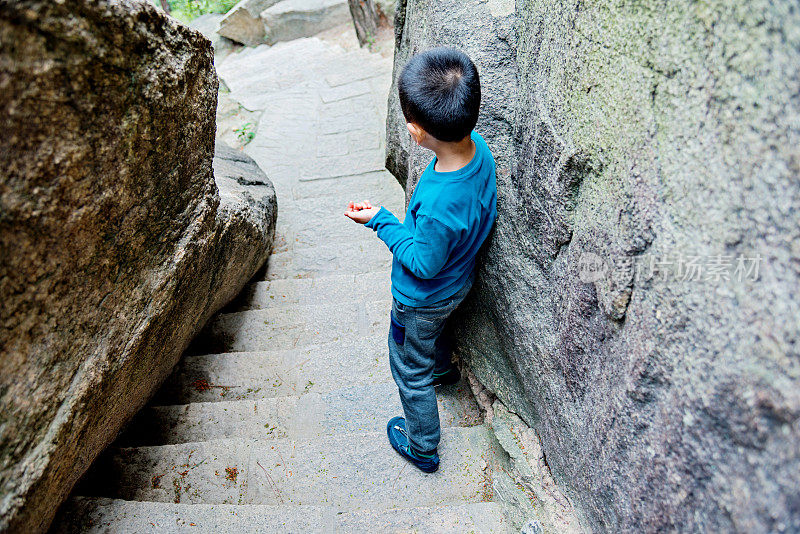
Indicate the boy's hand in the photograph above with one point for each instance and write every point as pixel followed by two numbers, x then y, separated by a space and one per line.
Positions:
pixel 361 212
pixel 356 206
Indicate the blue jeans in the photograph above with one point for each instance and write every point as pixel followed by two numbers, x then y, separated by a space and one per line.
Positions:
pixel 417 349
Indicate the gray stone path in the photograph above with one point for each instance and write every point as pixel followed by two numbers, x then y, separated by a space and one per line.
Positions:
pixel 275 419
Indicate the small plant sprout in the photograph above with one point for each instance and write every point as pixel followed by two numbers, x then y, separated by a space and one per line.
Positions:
pixel 245 133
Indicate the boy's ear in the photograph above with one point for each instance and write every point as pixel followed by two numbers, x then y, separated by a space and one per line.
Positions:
pixel 417 133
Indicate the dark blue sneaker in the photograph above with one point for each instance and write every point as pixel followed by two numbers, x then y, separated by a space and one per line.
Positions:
pixel 447 378
pixel 396 429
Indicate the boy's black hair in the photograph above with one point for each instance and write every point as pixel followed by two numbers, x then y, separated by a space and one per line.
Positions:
pixel 441 92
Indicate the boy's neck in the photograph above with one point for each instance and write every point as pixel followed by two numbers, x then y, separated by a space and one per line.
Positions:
pixel 452 156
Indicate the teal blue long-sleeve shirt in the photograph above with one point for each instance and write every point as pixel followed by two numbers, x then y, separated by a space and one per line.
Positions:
pixel 447 219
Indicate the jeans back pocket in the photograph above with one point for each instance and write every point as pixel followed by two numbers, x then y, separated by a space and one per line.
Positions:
pixel 398 330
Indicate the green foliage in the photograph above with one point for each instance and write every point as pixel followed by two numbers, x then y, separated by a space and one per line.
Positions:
pixel 244 133
pixel 186 10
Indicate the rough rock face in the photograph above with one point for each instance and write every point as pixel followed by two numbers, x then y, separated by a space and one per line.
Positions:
pixel 115 244
pixel 637 302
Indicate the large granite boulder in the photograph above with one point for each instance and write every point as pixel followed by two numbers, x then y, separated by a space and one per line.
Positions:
pixel 637 303
pixel 254 22
pixel 243 22
pixel 294 19
pixel 116 245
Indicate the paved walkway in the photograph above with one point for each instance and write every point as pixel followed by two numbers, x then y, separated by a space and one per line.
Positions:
pixel 275 419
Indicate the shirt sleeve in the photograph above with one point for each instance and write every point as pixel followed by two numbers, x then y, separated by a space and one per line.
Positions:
pixel 424 252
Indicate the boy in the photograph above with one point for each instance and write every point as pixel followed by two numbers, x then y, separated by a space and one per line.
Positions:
pixel 449 215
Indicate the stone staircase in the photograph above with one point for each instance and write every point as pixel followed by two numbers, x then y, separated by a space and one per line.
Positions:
pixel 274 420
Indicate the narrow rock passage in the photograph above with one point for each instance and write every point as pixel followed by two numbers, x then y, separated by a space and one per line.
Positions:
pixel 275 419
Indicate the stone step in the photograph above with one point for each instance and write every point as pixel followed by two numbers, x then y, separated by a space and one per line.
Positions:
pixel 361 408
pixel 329 224
pixel 358 65
pixel 278 69
pixel 348 471
pixel 367 186
pixel 344 231
pixel 258 77
pixel 327 210
pixel 332 240
pixel 344 288
pixel 324 231
pixel 292 326
pixel 354 257
pixel 295 19
pixel 279 373
pixel 94 515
